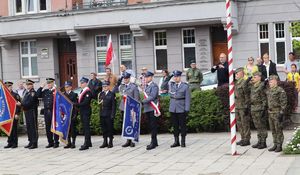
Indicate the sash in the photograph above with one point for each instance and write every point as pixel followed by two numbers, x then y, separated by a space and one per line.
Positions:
pixel 83 93
pixel 157 112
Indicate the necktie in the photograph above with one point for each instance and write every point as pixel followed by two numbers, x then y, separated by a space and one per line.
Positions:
pixel 177 85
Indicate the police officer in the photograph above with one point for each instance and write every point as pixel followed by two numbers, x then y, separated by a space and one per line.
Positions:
pixel 179 107
pixel 84 105
pixel 13 138
pixel 242 106
pixel 47 94
pixel 258 106
pixel 30 104
pixel 73 97
pixel 107 102
pixel 194 76
pixel 151 89
pixel 277 102
pixel 129 89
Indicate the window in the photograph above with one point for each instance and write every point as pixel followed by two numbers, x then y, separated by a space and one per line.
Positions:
pixel 19 6
pixel 43 5
pixel 189 47
pixel 160 48
pixel 263 39
pixel 279 35
pixel 101 44
pixel 29 65
pixel 126 50
pixel 30 6
pixel 295 37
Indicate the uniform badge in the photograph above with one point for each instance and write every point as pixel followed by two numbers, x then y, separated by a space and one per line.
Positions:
pixel 32 94
pixel 87 95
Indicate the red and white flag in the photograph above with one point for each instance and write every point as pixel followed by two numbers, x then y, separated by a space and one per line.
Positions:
pixel 109 52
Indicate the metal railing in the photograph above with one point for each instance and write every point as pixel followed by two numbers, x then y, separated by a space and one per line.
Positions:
pixel 94 4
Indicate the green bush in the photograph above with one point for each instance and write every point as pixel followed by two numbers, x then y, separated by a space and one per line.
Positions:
pixel 293 146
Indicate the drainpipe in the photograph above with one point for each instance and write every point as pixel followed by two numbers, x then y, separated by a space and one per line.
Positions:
pixel 134 56
pixel 1 64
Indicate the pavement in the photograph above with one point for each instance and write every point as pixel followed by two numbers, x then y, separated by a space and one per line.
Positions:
pixel 205 154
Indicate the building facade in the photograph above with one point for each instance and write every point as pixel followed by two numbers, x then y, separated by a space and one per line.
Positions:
pixel 67 39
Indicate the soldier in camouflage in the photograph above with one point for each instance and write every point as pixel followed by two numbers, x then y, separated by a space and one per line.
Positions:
pixel 258 105
pixel 194 77
pixel 277 102
pixel 242 104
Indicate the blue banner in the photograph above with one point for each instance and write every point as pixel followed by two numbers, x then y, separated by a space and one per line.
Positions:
pixel 62 113
pixel 131 119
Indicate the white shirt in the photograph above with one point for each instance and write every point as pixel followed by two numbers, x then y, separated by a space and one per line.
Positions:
pixel 267 67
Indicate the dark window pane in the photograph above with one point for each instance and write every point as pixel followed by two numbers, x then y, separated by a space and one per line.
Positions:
pixel 161 59
pixel 189 56
pixel 101 67
pixel 127 63
pixel 264 48
pixel 19 6
pixel 43 4
pixel 280 50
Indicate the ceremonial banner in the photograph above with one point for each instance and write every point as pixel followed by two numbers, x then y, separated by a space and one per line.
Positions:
pixel 131 119
pixel 7 109
pixel 62 113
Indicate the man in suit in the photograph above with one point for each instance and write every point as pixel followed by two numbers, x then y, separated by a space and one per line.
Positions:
pixel 95 85
pixel 73 97
pixel 270 66
pixel 222 70
pixel 151 89
pixel 129 89
pixel 179 107
pixel 30 104
pixel 107 102
pixel 13 138
pixel 47 94
pixel 261 68
pixel 84 105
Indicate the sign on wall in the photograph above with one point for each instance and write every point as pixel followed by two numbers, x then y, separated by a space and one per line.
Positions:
pixel 44 53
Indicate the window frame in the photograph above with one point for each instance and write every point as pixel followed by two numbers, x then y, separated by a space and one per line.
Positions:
pixel 278 40
pixel 159 48
pixel 25 7
pixel 190 45
pixel 35 9
pixel 293 38
pixel 125 47
pixel 262 41
pixel 101 49
pixel 39 6
pixel 29 55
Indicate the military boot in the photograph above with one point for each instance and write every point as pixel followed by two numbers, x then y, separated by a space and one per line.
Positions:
pixel 239 142
pixel 128 142
pixel 182 141
pixel 273 148
pixel 256 145
pixel 245 143
pixel 110 144
pixel 73 143
pixel 69 143
pixel 262 145
pixel 176 142
pixel 278 148
pixel 104 144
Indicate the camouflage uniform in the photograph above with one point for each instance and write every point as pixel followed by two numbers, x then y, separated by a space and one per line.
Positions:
pixel 277 102
pixel 194 77
pixel 242 102
pixel 258 106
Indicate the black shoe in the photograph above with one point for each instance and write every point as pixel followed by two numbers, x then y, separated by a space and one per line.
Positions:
pixel 176 142
pixel 73 146
pixel 256 145
pixel 56 145
pixel 28 146
pixel 245 143
pixel 278 148
pixel 262 145
pixel 182 142
pixel 8 146
pixel 83 147
pixel 89 144
pixel 151 146
pixel 132 144
pixel 104 144
pixel 14 146
pixel 67 146
pixel 49 145
pixel 273 148
pixel 128 143
pixel 239 142
pixel 34 146
pixel 110 144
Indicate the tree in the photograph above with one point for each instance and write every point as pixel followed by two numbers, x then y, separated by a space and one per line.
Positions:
pixel 295 30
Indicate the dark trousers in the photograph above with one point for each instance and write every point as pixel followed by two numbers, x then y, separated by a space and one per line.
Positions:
pixel 152 120
pixel 85 119
pixel 48 121
pixel 179 123
pixel 31 126
pixel 13 138
pixel 107 126
pixel 73 130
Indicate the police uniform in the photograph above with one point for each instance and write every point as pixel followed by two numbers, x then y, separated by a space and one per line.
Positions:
pixel 30 104
pixel 179 108
pixel 194 77
pixel 47 96
pixel 107 102
pixel 242 106
pixel 277 102
pixel 12 141
pixel 73 97
pixel 258 105
pixel 152 90
pixel 131 90
pixel 84 105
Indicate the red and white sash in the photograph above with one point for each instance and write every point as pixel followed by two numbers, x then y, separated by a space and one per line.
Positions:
pixel 157 112
pixel 81 95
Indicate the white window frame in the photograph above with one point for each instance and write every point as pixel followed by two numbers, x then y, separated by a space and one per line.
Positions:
pixel 35 9
pixel 158 47
pixel 125 47
pixel 29 56
pixel 101 49
pixel 47 6
pixel 187 46
pixel 23 7
pixel 261 41
pixel 279 40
